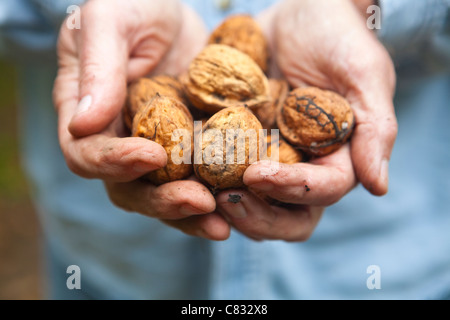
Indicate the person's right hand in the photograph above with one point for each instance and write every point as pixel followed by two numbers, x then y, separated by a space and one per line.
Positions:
pixel 120 41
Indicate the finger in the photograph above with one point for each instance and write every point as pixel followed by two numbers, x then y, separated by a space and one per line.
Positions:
pixel 321 182
pixel 210 226
pixel 103 56
pixel 114 159
pixel 372 145
pixel 173 200
pixel 376 126
pixel 102 156
pixel 258 220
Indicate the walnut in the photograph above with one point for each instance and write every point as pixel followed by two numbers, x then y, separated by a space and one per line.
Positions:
pixel 316 121
pixel 226 153
pixel 157 121
pixel 221 76
pixel 266 114
pixel 242 32
pixel 286 153
pixel 144 89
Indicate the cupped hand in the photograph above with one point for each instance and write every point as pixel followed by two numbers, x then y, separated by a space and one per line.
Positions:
pixel 120 41
pixel 326 43
pixel 323 43
pixel 301 192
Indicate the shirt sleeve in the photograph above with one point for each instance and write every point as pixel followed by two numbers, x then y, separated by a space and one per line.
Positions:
pixel 29 28
pixel 406 24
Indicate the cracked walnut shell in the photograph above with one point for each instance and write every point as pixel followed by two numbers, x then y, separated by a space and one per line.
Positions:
pixel 315 121
pixel 266 114
pixel 157 121
pixel 142 90
pixel 223 159
pixel 242 32
pixel 221 76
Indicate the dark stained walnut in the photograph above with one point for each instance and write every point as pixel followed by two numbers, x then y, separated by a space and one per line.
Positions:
pixel 315 121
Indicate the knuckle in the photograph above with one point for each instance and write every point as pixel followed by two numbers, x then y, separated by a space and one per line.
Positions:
pixel 391 129
pixel 90 69
pixel 367 129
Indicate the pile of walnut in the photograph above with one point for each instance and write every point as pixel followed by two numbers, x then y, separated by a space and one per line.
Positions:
pixel 226 87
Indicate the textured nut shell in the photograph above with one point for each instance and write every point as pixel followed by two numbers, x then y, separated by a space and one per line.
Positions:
pixel 157 121
pixel 316 121
pixel 266 114
pixel 286 153
pixel 221 76
pixel 243 33
pixel 142 90
pixel 223 176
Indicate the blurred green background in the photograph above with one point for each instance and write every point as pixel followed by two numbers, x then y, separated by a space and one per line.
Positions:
pixel 20 235
pixel 12 180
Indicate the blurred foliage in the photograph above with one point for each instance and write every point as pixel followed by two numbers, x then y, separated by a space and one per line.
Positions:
pixel 12 181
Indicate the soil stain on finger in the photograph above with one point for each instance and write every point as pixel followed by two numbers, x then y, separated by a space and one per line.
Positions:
pixel 234 198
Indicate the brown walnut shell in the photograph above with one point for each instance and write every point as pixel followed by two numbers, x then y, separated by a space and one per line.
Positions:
pixel 315 121
pixel 286 153
pixel 221 76
pixel 279 89
pixel 142 90
pixel 242 32
pixel 228 175
pixel 157 121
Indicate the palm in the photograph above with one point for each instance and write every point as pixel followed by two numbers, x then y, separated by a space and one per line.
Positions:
pixel 334 50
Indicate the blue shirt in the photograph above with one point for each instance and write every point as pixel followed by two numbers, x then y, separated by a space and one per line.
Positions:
pixel 365 247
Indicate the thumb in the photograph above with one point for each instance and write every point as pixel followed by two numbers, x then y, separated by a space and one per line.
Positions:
pixel 373 141
pixel 103 58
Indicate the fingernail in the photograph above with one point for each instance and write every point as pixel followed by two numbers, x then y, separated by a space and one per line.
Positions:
pixel 235 210
pixel 264 186
pixel 188 211
pixel 84 104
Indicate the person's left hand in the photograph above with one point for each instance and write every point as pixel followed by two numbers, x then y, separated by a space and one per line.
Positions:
pixel 337 53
